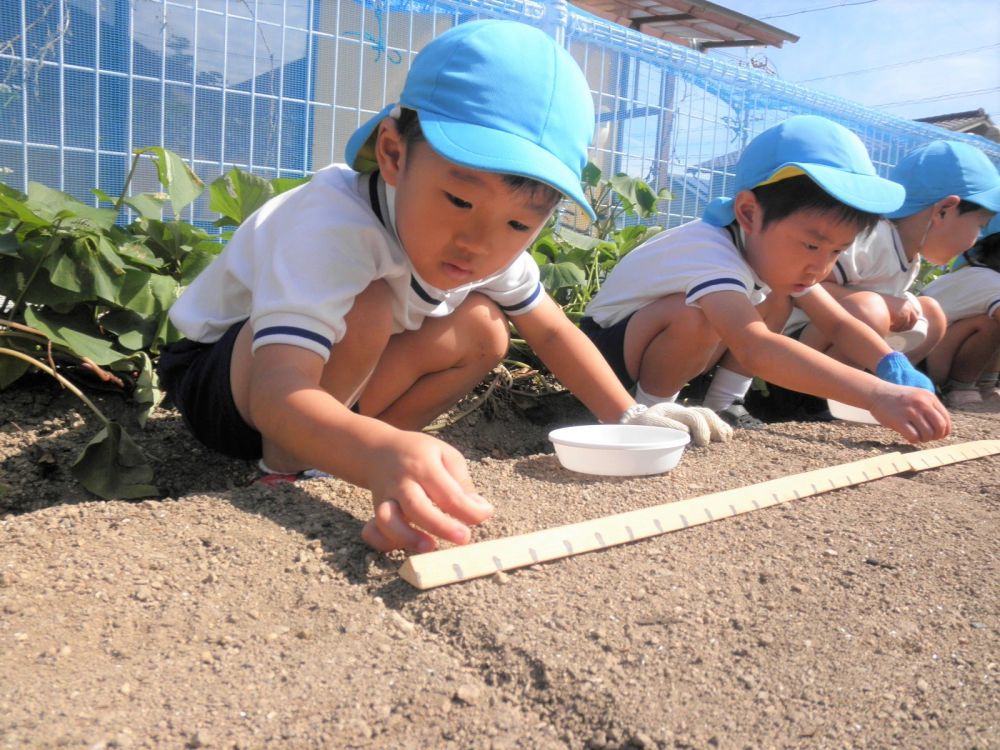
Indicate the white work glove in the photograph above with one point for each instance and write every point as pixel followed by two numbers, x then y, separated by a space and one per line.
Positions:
pixel 703 424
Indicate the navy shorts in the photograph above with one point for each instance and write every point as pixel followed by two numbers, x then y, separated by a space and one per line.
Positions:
pixel 610 342
pixel 195 377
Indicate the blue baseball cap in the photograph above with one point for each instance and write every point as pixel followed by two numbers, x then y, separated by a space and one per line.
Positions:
pixel 497 96
pixel 942 168
pixel 828 153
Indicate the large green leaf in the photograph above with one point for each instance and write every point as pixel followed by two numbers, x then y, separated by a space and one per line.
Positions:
pixel 9 245
pixel 87 265
pixel 75 331
pixel 16 272
pixel 236 195
pixel 578 240
pixel 637 197
pixel 147 294
pixel 12 203
pixel 284 184
pixel 11 368
pixel 182 185
pixel 591 175
pixel 196 261
pixel 148 205
pixel 112 466
pixel 561 275
pixel 55 205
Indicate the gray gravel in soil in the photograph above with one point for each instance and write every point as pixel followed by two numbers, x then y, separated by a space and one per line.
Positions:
pixel 228 615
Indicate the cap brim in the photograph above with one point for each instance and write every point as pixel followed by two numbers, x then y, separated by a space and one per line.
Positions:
pixel 490 150
pixel 869 193
pixel 719 212
pixel 988 199
pixel 359 153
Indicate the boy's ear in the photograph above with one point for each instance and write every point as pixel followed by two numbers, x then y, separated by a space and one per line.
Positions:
pixel 941 207
pixel 389 150
pixel 747 210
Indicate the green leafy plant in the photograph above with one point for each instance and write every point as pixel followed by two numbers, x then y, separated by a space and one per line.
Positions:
pixel 574 263
pixel 84 296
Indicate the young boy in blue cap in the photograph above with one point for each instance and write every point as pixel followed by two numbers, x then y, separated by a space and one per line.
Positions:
pixel 952 190
pixel 966 364
pixel 386 285
pixel 726 284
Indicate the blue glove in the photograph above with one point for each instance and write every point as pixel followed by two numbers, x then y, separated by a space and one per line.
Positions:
pixel 896 368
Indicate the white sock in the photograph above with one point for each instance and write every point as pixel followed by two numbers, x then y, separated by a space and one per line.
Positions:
pixel 648 399
pixel 265 468
pixel 726 387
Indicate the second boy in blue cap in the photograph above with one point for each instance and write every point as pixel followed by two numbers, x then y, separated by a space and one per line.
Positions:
pixel 725 285
pixel 952 190
pixel 386 285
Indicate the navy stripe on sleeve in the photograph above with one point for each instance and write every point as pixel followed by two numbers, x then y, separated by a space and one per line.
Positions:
pixel 525 303
pixel 716 282
pixel 992 307
pixel 293 331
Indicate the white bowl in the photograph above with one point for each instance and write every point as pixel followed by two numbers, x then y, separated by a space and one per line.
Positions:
pixel 618 449
pixel 850 413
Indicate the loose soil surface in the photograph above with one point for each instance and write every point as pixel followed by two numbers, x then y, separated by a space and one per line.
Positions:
pixel 233 615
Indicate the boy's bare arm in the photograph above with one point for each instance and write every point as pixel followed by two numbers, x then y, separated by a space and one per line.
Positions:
pixel 574 360
pixel 913 412
pixel 420 485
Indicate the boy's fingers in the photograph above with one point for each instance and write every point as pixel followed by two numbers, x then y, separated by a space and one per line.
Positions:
pixel 420 510
pixel 389 530
pixel 453 491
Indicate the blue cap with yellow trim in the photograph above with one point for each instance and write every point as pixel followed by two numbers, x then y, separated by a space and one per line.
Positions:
pixel 828 153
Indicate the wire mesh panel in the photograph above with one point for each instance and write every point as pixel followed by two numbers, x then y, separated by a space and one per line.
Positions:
pixel 276 87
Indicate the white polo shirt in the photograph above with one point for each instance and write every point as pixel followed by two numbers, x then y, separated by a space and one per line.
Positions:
pixel 295 266
pixel 694 259
pixel 969 291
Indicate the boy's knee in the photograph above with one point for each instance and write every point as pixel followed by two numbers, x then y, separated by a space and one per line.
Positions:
pixel 868 307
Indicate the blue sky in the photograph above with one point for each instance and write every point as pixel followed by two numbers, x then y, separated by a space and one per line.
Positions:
pixel 909 58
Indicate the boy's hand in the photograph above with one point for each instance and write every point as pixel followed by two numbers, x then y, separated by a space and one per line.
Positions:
pixel 704 425
pixel 914 413
pixel 902 313
pixel 421 490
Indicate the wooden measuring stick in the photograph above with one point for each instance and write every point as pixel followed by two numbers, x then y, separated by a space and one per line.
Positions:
pixel 485 558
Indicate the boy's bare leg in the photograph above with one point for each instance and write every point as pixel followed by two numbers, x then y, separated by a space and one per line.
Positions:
pixel 967 348
pixel 868 307
pixel 667 343
pixel 425 372
pixel 351 362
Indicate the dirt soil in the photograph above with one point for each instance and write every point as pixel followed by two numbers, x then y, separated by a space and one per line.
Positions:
pixel 233 615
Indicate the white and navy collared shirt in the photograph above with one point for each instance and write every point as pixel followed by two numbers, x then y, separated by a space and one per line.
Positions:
pixel 296 265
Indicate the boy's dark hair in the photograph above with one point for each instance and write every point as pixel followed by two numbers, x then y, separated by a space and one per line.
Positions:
pixel 967 207
pixel 408 124
pixel 986 252
pixel 781 199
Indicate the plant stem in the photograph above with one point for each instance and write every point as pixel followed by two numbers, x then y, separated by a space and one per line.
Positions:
pixel 62 381
pixel 56 239
pixel 128 181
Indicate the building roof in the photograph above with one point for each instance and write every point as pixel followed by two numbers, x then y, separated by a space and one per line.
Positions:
pixel 698 24
pixel 975 121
